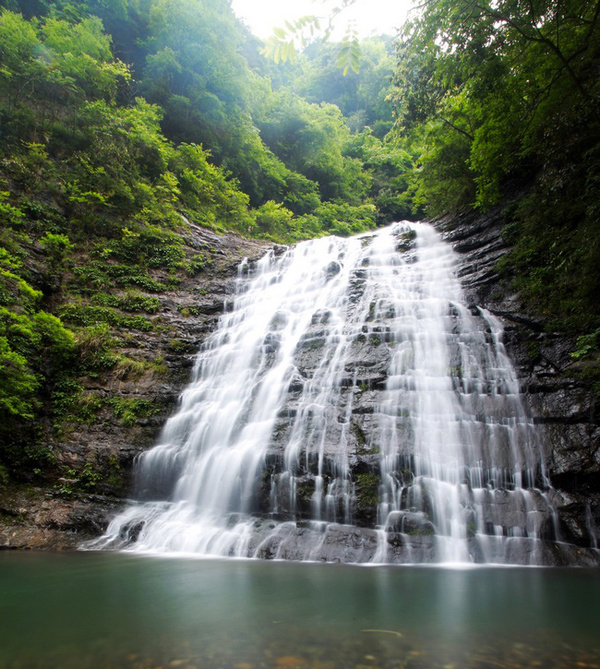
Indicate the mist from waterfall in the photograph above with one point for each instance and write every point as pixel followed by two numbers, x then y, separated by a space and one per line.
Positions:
pixel 349 407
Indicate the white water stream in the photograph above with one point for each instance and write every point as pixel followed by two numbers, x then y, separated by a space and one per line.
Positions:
pixel 350 406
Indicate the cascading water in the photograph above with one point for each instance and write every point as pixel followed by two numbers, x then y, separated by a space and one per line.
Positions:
pixel 349 407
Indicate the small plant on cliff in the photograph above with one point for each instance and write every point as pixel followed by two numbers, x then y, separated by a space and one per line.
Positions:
pixel 130 410
pixel 367 489
pixel 587 345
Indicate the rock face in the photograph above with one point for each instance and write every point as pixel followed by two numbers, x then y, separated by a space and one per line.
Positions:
pixel 566 411
pixel 379 420
pixel 99 451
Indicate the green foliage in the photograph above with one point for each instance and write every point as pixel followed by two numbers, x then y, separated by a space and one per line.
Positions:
pixel 129 301
pixel 281 45
pixel 199 92
pixel 17 292
pixel 587 345
pixel 130 369
pixel 146 245
pixel 361 97
pixel 54 341
pixel 481 84
pixel 499 102
pixel 58 247
pixel 89 477
pixel 10 216
pixel 82 57
pixel 207 196
pixel 99 275
pixel 86 315
pixel 129 410
pixel 18 62
pixel 349 55
pixel 345 219
pixel 198 264
pixel 40 334
pixel 18 385
pixel 309 139
pixel 275 221
pixel 84 480
pixel 367 494
pixel 587 359
pixel 389 166
pixel 34 347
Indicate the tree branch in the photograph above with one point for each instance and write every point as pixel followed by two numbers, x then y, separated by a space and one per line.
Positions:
pixel 540 39
pixel 455 127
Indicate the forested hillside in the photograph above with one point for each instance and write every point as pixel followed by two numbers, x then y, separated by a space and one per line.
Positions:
pixel 123 122
pixel 500 102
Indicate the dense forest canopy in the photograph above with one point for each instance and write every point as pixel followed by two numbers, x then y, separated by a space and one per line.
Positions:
pixel 500 101
pixel 123 120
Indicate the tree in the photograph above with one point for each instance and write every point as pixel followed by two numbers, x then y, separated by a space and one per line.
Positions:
pixel 493 74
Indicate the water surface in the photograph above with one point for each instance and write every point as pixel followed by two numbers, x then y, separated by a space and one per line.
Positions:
pixel 91 610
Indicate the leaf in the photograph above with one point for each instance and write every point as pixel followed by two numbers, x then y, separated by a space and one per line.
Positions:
pixel 349 54
pixel 292 53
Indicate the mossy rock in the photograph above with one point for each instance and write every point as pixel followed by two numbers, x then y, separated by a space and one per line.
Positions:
pixel 367 499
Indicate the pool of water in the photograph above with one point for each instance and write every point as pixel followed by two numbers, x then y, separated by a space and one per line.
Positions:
pixel 103 610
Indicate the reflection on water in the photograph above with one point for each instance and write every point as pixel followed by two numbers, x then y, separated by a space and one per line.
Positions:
pixel 116 611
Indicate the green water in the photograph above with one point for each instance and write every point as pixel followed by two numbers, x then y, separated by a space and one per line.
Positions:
pixel 90 610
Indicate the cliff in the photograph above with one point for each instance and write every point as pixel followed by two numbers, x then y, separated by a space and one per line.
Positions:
pixel 124 410
pixel 67 511
pixel 559 399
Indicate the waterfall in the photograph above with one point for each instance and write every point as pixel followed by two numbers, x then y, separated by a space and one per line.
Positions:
pixel 349 407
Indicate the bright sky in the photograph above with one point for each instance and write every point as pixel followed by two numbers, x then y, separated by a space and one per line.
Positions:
pixel 368 16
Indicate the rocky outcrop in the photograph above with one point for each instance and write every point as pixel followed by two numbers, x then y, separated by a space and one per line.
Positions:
pixel 94 455
pixel 560 401
pixel 71 510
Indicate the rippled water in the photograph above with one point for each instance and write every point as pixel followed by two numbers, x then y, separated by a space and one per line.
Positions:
pixel 90 611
